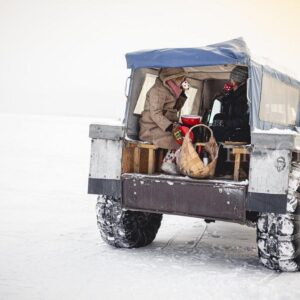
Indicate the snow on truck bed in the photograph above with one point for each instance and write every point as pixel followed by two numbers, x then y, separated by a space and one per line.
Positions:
pixel 50 247
pixel 187 178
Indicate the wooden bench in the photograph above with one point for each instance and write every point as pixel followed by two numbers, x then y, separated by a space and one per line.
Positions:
pixel 154 156
pixel 238 149
pixel 152 161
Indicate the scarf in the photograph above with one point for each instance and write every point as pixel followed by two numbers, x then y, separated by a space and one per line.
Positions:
pixel 176 90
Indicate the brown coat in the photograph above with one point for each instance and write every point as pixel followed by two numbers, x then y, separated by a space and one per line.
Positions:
pixel 159 112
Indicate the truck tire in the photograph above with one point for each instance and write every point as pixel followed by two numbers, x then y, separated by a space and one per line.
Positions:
pixel 124 228
pixel 278 235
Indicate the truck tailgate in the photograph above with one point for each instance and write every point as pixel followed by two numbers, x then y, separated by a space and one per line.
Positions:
pixel 216 199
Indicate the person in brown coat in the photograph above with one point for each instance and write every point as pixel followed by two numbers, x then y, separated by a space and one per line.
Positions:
pixel 160 115
pixel 163 101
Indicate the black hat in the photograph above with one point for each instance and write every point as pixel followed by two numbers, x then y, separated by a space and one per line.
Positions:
pixel 239 74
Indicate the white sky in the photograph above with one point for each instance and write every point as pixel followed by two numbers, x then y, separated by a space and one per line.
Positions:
pixel 67 56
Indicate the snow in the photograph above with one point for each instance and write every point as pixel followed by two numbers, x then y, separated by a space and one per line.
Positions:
pixel 228 183
pixel 276 131
pixel 50 247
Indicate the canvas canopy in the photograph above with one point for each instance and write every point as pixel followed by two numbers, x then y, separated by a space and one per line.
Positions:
pixel 230 52
pixel 273 97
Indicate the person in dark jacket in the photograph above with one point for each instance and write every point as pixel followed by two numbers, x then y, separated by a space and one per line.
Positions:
pixel 232 124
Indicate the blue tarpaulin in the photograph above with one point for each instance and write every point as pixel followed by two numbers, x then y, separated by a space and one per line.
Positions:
pixel 256 73
pixel 230 52
pixel 233 52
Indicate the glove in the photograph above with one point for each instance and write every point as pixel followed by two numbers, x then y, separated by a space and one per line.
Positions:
pixel 177 133
pixel 180 101
pixel 218 123
pixel 219 120
pixel 169 128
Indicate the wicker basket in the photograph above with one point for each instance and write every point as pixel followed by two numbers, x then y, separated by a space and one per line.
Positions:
pixel 190 163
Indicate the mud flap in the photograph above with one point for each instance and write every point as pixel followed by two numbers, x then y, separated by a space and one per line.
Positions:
pixel 267 203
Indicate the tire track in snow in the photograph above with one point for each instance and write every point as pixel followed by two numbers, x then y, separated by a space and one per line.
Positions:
pixel 190 245
pixel 169 242
pixel 199 239
pixel 267 279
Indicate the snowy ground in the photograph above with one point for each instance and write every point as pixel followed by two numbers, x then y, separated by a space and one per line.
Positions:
pixel 50 247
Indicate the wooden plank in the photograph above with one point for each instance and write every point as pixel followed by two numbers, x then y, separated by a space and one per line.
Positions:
pixel 240 150
pixel 147 146
pixel 136 160
pixel 144 161
pixel 132 145
pixel 229 143
pixel 140 144
pixel 237 163
pixel 127 159
pixel 151 161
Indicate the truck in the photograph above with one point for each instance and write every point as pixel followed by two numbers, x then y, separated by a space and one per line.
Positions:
pixel 133 192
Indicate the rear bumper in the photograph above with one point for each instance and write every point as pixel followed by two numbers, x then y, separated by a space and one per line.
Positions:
pixel 216 199
pixel 222 200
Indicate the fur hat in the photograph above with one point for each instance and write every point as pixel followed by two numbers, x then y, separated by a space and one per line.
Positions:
pixel 166 74
pixel 239 74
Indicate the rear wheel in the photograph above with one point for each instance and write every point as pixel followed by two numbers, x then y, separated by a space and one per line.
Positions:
pixel 278 242
pixel 278 235
pixel 124 228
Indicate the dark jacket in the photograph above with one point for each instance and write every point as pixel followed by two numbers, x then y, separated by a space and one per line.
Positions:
pixel 235 114
pixel 235 109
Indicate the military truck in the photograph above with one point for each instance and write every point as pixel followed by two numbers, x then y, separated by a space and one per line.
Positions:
pixel 133 193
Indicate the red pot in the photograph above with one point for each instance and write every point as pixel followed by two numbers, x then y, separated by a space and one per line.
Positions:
pixel 185 130
pixel 190 120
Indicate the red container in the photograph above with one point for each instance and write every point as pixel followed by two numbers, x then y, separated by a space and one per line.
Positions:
pixel 184 131
pixel 190 120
